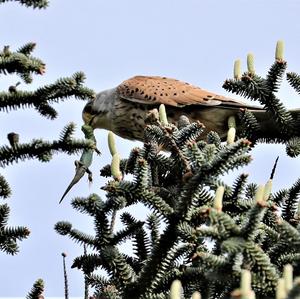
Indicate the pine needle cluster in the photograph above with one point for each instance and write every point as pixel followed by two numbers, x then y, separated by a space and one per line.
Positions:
pixel 23 64
pixel 199 230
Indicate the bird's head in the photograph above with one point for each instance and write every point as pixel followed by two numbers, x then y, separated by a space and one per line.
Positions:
pixel 97 112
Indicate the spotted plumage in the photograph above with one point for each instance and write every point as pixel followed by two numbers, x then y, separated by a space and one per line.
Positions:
pixel 123 109
pixel 162 90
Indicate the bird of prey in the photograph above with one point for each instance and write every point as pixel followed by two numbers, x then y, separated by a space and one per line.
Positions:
pixel 123 109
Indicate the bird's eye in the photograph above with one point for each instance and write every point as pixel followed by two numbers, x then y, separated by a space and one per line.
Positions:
pixel 88 108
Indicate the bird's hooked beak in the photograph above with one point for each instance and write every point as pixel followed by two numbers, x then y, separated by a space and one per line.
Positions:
pixel 95 115
pixel 89 113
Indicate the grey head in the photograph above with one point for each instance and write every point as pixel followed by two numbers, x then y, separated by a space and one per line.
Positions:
pixel 99 111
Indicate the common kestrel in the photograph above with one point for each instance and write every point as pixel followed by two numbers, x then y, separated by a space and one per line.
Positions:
pixel 123 109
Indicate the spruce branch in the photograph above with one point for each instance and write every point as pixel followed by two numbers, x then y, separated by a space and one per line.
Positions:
pixel 5 190
pixel 37 290
pixel 257 89
pixel 4 213
pixel 30 3
pixel 285 127
pixel 253 220
pixel 212 261
pixel 250 124
pixel 44 96
pixel 275 75
pixel 213 138
pixel 289 205
pixel 293 147
pixel 89 262
pixel 10 235
pixel 128 232
pixel 236 192
pixel 139 236
pixel 289 241
pixel 65 228
pixel 244 230
pixel 153 224
pixel 265 277
pixel 43 150
pixel 27 48
pixel 90 205
pixel 294 80
pixel 21 63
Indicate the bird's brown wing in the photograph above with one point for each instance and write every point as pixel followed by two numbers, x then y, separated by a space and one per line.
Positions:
pixel 162 90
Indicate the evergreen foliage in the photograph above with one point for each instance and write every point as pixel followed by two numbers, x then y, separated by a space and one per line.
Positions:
pixel 30 3
pixel 257 88
pixel 201 235
pixel 37 290
pixel 199 230
pixel 22 63
pixel 10 235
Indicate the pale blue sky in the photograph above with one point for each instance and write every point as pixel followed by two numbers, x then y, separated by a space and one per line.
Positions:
pixel 193 40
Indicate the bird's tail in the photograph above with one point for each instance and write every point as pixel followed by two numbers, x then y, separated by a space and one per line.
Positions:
pixel 266 125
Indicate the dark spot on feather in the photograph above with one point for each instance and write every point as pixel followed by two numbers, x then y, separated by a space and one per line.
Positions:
pixel 175 94
pixel 183 91
pixel 161 94
pixel 146 96
pixel 136 90
pixel 149 97
pixel 142 92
